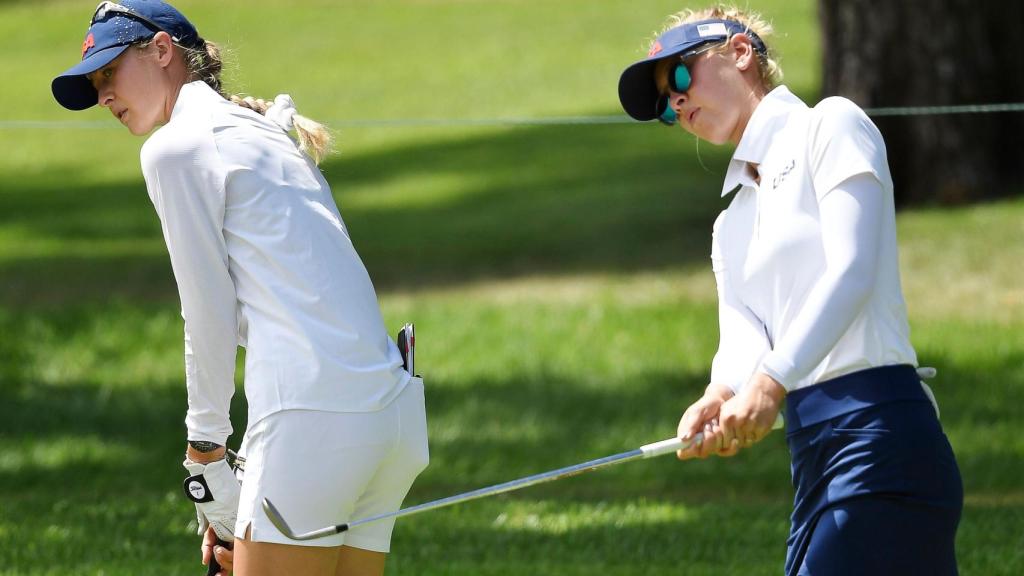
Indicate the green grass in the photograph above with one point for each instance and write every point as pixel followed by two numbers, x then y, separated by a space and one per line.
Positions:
pixel 557 275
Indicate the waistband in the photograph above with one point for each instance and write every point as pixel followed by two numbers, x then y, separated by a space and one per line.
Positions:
pixel 848 393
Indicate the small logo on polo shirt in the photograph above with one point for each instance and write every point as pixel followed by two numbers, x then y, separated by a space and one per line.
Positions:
pixel 782 174
pixel 89 42
pixel 654 49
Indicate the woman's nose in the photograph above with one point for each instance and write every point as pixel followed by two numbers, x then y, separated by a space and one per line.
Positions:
pixel 676 100
pixel 104 97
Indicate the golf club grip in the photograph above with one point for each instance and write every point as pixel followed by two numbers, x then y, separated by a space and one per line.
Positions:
pixel 215 567
pixel 671 445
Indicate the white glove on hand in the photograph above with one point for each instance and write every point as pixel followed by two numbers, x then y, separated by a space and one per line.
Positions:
pixel 215 491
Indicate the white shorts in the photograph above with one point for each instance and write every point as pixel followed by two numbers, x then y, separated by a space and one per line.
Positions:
pixel 323 468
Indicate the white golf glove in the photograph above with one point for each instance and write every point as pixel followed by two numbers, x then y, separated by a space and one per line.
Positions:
pixel 215 491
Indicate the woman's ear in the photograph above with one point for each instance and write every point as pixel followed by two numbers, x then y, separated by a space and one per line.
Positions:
pixel 742 51
pixel 164 46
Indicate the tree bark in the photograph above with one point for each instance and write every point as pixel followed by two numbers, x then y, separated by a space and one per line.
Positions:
pixel 895 53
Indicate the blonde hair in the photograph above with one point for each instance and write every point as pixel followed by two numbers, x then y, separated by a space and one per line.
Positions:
pixel 206 64
pixel 769 71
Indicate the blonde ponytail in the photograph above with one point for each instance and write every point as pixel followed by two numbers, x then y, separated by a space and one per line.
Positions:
pixel 314 138
pixel 206 64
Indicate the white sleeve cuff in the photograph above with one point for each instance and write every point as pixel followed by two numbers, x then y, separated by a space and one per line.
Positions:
pixel 780 369
pixel 208 427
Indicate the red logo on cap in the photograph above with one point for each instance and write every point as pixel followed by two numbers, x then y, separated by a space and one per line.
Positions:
pixel 89 43
pixel 654 49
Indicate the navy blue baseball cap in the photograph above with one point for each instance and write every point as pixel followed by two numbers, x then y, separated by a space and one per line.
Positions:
pixel 638 91
pixel 114 27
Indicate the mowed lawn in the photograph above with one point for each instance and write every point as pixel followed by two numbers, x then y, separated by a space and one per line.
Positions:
pixel 557 274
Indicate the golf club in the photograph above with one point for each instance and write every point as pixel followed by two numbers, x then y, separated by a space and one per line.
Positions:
pixel 237 463
pixel 668 446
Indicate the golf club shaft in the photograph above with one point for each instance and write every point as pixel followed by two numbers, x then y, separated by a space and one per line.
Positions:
pixel 508 486
pixel 667 446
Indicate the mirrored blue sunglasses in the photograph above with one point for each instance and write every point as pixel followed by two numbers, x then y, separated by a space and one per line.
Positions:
pixel 679 80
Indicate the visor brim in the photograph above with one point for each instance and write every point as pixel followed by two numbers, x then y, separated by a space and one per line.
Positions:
pixel 638 91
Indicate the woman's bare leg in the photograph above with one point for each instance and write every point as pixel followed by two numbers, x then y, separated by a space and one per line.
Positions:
pixel 359 562
pixel 269 559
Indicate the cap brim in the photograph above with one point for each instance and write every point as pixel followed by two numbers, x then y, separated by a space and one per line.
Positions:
pixel 72 89
pixel 638 91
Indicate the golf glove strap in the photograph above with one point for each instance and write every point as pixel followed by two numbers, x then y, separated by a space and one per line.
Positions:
pixel 215 491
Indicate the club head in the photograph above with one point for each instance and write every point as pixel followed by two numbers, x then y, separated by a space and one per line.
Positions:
pixel 276 519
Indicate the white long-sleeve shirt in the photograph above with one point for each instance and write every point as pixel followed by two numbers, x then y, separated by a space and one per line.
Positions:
pixel 805 257
pixel 262 259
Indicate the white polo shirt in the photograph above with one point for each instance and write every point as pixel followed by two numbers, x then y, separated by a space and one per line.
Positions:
pixel 806 259
pixel 262 259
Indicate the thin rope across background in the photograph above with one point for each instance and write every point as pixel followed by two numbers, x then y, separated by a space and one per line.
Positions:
pixel 945 110
pixel 525 121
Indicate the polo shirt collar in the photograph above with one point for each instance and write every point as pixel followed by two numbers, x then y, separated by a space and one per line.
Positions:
pixel 196 91
pixel 771 113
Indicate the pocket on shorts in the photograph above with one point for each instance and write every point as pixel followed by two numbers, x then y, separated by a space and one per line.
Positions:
pixel 861 432
pixel 872 422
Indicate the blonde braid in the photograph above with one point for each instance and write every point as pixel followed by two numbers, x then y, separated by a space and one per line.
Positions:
pixel 258 105
pixel 206 64
pixel 314 137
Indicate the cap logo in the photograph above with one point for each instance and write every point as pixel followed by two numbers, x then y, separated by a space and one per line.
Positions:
pixel 713 29
pixel 654 49
pixel 89 42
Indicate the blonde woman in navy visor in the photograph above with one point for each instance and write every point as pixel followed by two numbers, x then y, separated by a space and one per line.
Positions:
pixel 810 305
pixel 261 256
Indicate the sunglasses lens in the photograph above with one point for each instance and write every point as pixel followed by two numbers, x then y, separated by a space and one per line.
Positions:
pixel 679 78
pixel 666 115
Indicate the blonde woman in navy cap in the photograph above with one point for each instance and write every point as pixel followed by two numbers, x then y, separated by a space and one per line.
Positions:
pixel 810 305
pixel 262 259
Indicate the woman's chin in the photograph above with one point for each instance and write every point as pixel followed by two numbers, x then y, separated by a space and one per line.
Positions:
pixel 138 129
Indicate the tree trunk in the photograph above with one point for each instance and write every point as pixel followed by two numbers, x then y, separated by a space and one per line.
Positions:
pixel 894 53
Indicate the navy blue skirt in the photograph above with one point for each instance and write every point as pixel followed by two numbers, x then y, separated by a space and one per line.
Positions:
pixel 878 490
